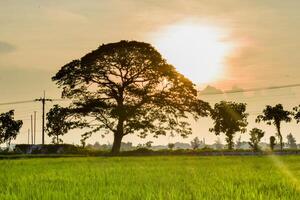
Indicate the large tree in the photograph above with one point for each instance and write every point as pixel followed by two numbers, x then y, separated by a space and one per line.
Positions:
pixel 229 118
pixel 275 115
pixel 9 127
pixel 127 87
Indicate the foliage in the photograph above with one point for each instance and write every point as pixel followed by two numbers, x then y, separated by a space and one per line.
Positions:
pixel 148 144
pixel 218 144
pixel 239 143
pixel 48 149
pixel 141 151
pixel 255 137
pixel 195 143
pixel 296 113
pixel 272 142
pixel 9 128
pixel 291 141
pixel 229 118
pixel 275 115
pixel 171 146
pixel 59 122
pixel 128 88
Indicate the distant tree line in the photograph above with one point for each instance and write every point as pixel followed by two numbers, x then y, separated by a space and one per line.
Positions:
pixel 230 118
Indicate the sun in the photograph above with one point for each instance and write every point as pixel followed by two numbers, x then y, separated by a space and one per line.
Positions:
pixel 197 50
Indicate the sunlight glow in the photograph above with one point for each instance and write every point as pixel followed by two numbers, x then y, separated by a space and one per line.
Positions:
pixel 197 50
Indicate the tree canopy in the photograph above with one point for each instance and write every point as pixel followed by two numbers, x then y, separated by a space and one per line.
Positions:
pixel 127 87
pixel 229 118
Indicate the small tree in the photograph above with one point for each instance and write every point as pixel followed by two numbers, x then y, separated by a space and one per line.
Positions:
pixel 171 146
pixel 58 123
pixel 275 115
pixel 239 143
pixel 148 144
pixel 195 143
pixel 218 144
pixel 255 137
pixel 139 145
pixel 272 142
pixel 291 141
pixel 9 128
pixel 97 145
pixel 229 118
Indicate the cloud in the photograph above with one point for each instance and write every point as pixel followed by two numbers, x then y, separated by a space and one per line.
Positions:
pixel 235 89
pixel 6 47
pixel 210 90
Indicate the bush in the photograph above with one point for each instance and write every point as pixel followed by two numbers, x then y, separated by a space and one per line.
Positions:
pixel 48 149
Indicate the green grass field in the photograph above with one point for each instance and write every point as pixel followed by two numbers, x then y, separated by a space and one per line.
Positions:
pixel 165 177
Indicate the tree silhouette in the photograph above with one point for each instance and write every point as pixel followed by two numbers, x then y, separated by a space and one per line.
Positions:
pixel 275 115
pixel 148 144
pixel 229 118
pixel 255 137
pixel 291 141
pixel 127 87
pixel 238 143
pixel 59 123
pixel 9 128
pixel 272 142
pixel 218 144
pixel 171 146
pixel 195 143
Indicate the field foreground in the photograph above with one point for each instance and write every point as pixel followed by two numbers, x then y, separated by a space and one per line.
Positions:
pixel 165 177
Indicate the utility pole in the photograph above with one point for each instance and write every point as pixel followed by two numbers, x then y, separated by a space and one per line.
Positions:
pixel 28 137
pixel 34 126
pixel 31 129
pixel 43 100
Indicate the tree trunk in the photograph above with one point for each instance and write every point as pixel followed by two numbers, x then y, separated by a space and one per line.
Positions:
pixel 117 144
pixel 118 136
pixel 279 136
pixel 281 143
pixel 229 140
pixel 255 148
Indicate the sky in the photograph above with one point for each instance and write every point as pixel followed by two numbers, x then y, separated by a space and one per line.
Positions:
pixel 257 42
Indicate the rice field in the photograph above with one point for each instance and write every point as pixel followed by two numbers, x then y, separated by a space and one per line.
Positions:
pixel 160 177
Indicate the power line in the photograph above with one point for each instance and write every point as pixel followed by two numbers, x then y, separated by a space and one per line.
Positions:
pixel 43 100
pixel 203 94
pixel 251 89
pixel 16 102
